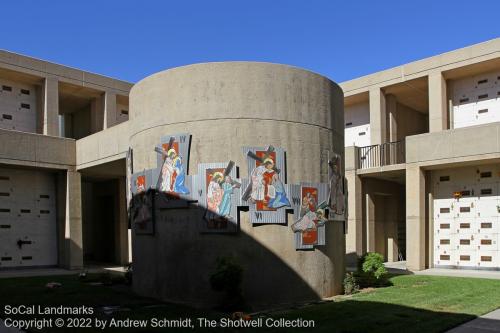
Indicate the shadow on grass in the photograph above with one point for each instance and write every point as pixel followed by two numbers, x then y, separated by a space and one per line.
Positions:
pixel 366 316
pixel 347 315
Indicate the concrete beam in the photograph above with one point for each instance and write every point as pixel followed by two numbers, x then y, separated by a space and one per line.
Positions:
pixel 438 111
pixel 415 218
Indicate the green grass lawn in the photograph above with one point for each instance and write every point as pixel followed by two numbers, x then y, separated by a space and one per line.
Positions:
pixel 411 304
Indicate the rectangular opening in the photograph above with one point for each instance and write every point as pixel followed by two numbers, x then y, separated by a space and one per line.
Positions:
pixel 4 194
pixel 485 241
pixel 444 242
pixel 483 111
pixel 362 133
pixel 444 226
pixel 464 209
pixel 25 106
pixel 486 258
pixel 125 112
pixel 486 225
pixel 25 91
pixel 465 258
pixel 483 96
pixel 27 257
pixel 465 193
pixel 464 225
pixel 444 210
pixel 44 211
pixel 485 191
pixel 7 116
pixel 482 81
pixel 4 210
pixel 444 257
pixel 485 174
pixel 465 242
pixel 6 88
pixel 464 100
pixel 4 226
pixel 444 178
pixel 4 177
pixel 6 258
pixel 348 124
pixel 44 196
pixel 25 211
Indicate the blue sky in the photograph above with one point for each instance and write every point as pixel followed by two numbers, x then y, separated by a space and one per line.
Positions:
pixel 340 39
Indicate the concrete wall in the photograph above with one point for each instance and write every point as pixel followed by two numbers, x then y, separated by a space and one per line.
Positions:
pixel 226 106
pixel 18 148
pixel 410 122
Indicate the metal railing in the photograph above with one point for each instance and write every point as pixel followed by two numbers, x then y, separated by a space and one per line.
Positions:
pixel 379 155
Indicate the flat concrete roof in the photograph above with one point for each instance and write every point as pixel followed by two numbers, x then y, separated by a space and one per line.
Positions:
pixel 482 57
pixel 29 69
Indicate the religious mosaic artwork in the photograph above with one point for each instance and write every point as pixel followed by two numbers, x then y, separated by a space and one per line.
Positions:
pixel 142 203
pixel 311 216
pixel 265 191
pixel 219 193
pixel 172 161
pixel 337 196
pixel 130 170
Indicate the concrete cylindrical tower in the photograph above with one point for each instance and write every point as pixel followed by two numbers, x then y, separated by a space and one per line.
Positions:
pixel 226 106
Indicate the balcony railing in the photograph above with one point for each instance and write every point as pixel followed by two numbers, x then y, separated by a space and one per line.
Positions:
pixel 379 155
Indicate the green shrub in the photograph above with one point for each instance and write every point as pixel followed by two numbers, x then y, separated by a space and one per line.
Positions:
pixel 371 271
pixel 373 263
pixel 351 285
pixel 228 277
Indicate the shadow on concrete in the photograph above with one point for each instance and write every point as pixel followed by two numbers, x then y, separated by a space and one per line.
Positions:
pixel 173 260
pixel 479 325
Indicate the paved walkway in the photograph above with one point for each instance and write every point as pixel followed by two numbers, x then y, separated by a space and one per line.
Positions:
pixel 30 272
pixel 460 273
pixel 489 323
pixel 399 267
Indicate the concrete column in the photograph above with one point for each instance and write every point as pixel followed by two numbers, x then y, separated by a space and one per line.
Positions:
pixel 415 218
pixel 109 109
pixel 378 123
pixel 438 108
pixel 370 222
pixel 354 237
pixel 351 158
pixel 71 249
pixel 121 228
pixel 392 107
pixel 97 119
pixel 50 91
pixel 392 230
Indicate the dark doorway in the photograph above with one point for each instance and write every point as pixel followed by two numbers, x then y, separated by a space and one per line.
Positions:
pixel 105 219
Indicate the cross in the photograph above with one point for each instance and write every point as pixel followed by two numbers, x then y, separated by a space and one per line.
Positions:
pixel 161 151
pixel 227 171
